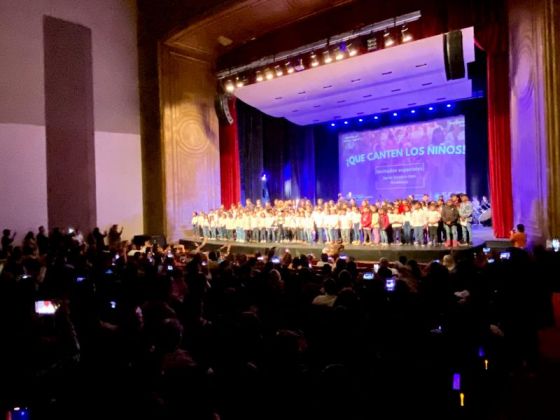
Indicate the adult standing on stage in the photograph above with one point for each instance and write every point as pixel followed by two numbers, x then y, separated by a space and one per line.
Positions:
pixel 465 214
pixel 450 216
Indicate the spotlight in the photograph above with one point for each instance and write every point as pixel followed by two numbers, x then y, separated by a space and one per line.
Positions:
pixel 239 83
pixel 431 108
pixel 388 40
pixel 333 124
pixel 313 60
pixel 263 177
pixel 278 70
pixel 299 65
pixel 413 111
pixel 289 68
pixel 360 120
pixel 229 86
pixel 258 76
pixel 339 54
pixel 352 51
pixel 345 122
pixel 327 57
pixel 448 105
pixel 376 117
pixel 395 114
pixel 268 74
pixel 406 36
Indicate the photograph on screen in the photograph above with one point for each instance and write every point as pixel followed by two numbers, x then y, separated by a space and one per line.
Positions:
pixel 426 157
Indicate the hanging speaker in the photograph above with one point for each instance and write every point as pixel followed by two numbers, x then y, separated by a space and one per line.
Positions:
pixel 221 103
pixel 453 55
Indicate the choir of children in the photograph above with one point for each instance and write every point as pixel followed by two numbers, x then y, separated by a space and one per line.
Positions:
pixel 421 223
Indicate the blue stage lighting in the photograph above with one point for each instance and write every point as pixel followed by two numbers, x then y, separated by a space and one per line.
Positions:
pixel 448 105
pixel 376 117
pixel 431 108
pixel 333 124
pixel 395 114
pixel 413 111
pixel 360 120
pixel 345 122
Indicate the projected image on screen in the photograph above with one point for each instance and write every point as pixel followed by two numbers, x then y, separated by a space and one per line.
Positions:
pixel 394 162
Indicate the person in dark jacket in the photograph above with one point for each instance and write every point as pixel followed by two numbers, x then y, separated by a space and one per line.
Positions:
pixel 449 217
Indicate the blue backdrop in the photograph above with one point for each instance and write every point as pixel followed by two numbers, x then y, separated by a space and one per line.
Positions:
pixel 302 162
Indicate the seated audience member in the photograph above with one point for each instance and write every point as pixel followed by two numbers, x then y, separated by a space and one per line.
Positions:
pixel 518 238
pixel 324 260
pixel 329 296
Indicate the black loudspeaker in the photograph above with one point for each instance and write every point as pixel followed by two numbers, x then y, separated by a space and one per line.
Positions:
pixel 453 55
pixel 221 103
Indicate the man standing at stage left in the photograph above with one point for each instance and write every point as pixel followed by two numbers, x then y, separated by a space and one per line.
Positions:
pixel 465 214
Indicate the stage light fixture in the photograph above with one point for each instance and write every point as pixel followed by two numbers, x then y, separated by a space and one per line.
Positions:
pixel 333 124
pixel 339 55
pixel 448 105
pixel 299 65
pixel 327 57
pixel 431 108
pixel 314 60
pixel 268 74
pixel 278 70
pixel 413 111
pixel 388 40
pixel 360 120
pixel 395 114
pixel 406 36
pixel 345 122
pixel 239 83
pixel 352 51
pixel 229 86
pixel 371 43
pixel 258 76
pixel 289 68
pixel 376 117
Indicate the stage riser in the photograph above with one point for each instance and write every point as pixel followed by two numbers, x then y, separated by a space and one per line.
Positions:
pixel 423 255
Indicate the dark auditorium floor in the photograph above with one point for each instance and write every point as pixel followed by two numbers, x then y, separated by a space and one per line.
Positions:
pixel 535 395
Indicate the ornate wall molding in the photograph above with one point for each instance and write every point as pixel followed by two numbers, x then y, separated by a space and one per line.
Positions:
pixel 190 139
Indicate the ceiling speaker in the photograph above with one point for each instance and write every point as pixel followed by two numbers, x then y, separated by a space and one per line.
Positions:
pixel 453 55
pixel 221 103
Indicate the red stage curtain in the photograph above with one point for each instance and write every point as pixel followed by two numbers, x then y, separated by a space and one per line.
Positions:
pixel 229 159
pixel 493 38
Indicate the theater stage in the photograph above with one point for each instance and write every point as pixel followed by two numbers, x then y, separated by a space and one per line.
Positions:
pixel 482 237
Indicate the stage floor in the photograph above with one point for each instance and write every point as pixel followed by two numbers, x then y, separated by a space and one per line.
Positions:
pixel 482 236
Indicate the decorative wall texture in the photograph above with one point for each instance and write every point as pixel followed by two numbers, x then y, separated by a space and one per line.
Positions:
pixel 190 139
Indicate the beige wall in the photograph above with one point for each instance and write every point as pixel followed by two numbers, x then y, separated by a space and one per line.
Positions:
pixel 116 109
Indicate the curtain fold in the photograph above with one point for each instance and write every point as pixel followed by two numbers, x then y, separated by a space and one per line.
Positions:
pixel 229 159
pixel 492 37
